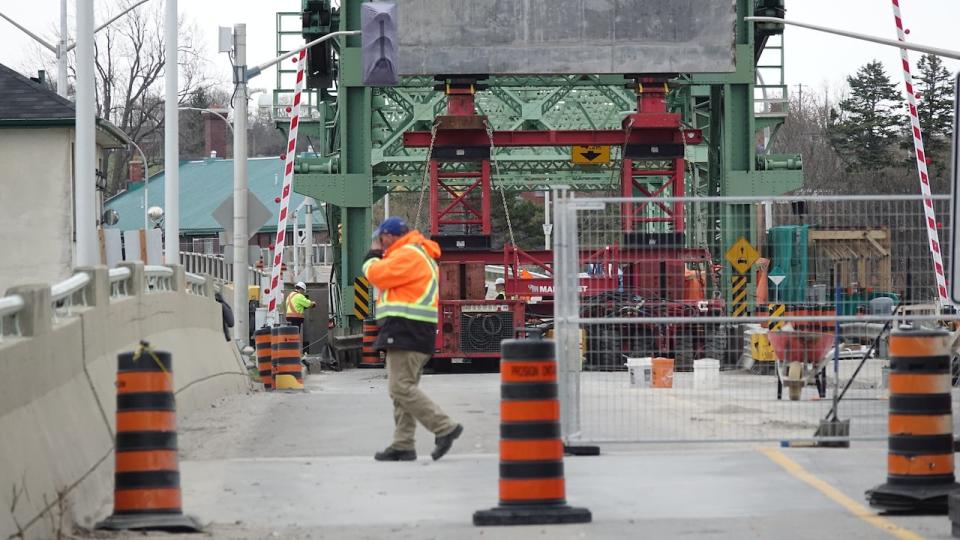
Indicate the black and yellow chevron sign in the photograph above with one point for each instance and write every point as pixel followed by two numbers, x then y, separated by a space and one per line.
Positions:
pixel 361 298
pixel 739 296
pixel 775 312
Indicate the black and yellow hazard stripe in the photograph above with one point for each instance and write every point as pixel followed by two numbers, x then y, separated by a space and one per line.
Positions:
pixel 739 296
pixel 361 298
pixel 776 313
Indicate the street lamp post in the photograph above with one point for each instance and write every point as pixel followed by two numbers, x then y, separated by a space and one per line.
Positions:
pixel 63 45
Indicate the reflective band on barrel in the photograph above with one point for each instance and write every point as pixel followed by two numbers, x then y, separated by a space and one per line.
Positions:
pixel 146 500
pixel 151 460
pixel 133 382
pixel 145 363
pixel 915 445
pixel 920 424
pixel 902 383
pixel 146 421
pixel 935 465
pixel 918 344
pixel 531 450
pixel 532 371
pixel 529 411
pixel 546 491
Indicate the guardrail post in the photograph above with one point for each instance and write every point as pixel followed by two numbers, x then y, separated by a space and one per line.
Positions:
pixel 178 282
pixel 138 282
pixel 99 287
pixel 36 317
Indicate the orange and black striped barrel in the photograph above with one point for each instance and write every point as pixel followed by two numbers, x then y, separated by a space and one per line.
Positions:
pixel 285 352
pixel 370 357
pixel 920 464
pixel 147 477
pixel 532 485
pixel 263 340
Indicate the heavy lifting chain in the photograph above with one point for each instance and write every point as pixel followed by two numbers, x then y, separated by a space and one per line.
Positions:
pixel 503 196
pixel 426 173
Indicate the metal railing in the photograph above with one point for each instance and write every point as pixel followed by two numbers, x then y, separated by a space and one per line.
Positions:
pixel 158 278
pixel 216 267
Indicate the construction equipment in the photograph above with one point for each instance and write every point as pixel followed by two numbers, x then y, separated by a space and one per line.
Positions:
pixel 689 133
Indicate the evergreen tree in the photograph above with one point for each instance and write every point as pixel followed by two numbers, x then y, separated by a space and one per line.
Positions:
pixel 527 219
pixel 935 88
pixel 865 127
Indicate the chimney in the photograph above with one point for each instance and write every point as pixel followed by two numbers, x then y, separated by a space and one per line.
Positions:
pixel 215 133
pixel 136 172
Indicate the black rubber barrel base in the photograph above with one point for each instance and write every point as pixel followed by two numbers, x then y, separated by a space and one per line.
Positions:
pixel 171 523
pixel 911 499
pixel 954 513
pixel 380 365
pixel 531 515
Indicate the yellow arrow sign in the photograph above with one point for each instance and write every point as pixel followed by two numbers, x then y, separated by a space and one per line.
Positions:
pixel 742 255
pixel 590 155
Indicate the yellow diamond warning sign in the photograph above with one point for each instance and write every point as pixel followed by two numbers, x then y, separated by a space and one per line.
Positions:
pixel 590 155
pixel 742 255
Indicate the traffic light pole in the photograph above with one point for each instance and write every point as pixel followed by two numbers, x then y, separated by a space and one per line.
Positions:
pixel 241 77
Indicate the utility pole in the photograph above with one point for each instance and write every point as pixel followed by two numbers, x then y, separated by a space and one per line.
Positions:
pixel 86 149
pixel 240 185
pixel 171 139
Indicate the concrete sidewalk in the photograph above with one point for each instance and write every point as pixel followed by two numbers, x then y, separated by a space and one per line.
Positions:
pixel 300 466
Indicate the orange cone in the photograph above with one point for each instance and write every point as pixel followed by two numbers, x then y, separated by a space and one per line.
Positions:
pixel 147 478
pixel 532 485
pixel 370 357
pixel 264 342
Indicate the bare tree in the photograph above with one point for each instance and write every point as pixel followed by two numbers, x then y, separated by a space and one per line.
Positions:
pixel 130 65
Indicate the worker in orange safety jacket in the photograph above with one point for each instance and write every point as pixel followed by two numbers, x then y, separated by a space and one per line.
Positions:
pixel 401 264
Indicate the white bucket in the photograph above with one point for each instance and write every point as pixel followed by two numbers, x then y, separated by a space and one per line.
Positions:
pixel 706 374
pixel 641 372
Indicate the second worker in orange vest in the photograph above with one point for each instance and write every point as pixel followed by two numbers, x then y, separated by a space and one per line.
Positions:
pixel 401 265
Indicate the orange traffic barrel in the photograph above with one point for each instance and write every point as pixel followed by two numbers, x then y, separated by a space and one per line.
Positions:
pixel 370 357
pixel 285 353
pixel 920 468
pixel 532 485
pixel 147 479
pixel 263 340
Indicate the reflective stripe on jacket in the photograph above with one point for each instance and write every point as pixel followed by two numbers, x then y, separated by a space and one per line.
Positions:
pixel 407 277
pixel 296 303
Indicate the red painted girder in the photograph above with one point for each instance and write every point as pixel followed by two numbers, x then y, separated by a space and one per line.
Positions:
pixel 602 137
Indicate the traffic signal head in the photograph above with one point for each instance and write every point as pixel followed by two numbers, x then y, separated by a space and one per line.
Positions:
pixel 378 23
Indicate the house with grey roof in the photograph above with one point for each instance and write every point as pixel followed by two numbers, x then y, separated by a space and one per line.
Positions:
pixel 37 133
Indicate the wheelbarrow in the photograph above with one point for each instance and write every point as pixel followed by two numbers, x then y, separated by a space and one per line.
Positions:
pixel 800 358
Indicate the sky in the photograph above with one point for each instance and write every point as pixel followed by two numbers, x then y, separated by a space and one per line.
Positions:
pixel 816 60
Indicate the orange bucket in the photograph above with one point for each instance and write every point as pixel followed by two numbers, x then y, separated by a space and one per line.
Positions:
pixel 662 373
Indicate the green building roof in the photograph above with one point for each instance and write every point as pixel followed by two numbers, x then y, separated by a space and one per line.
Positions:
pixel 204 185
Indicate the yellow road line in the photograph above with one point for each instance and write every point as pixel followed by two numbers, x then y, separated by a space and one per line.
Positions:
pixel 837 496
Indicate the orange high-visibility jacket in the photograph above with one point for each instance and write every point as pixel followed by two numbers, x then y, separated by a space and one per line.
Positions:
pixel 407 277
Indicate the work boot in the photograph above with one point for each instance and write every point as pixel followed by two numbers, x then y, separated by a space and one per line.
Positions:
pixel 392 454
pixel 444 442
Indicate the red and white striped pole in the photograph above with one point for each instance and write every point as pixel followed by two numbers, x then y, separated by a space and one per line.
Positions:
pixel 931 218
pixel 276 289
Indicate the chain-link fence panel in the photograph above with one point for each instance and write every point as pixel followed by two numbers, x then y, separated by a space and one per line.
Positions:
pixel 744 319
